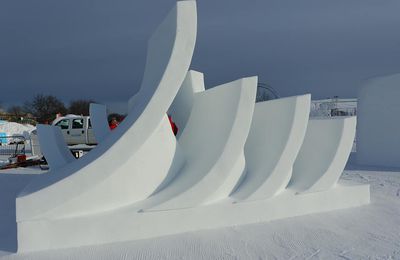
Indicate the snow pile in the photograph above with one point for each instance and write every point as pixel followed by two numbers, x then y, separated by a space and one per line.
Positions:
pixel 15 129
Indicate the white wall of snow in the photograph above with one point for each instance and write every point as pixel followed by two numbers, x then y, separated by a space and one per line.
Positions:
pixel 378 131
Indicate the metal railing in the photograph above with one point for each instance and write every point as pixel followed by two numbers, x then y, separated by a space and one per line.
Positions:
pixel 12 145
pixel 333 108
pixel 265 92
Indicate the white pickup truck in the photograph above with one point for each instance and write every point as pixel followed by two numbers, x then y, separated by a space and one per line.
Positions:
pixel 76 129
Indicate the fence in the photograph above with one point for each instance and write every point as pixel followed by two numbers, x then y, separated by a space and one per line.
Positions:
pixel 12 145
pixel 333 107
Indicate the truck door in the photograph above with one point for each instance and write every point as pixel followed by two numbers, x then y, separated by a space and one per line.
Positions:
pixel 77 131
pixel 90 135
pixel 65 126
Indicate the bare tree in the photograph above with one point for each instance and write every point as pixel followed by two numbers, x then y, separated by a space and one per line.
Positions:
pixel 16 111
pixel 80 107
pixel 45 108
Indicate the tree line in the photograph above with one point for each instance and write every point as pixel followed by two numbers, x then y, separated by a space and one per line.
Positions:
pixel 44 108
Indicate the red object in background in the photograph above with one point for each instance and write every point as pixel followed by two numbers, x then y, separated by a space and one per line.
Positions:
pixel 173 125
pixel 21 158
pixel 113 126
pixel 113 123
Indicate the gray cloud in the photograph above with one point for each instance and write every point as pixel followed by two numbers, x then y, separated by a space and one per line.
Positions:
pixel 96 49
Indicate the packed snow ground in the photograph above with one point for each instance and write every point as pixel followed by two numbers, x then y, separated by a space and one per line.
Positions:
pixel 368 232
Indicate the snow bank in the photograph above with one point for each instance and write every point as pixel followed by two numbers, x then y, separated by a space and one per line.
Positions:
pixel 13 129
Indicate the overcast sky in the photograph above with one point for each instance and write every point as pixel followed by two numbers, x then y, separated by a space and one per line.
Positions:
pixel 96 48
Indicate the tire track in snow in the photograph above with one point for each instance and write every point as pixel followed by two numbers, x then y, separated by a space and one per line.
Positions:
pixel 313 254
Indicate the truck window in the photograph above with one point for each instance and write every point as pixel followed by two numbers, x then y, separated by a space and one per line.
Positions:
pixel 90 123
pixel 64 124
pixel 77 123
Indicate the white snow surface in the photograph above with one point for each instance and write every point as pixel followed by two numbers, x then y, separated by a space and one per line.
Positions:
pixel 12 129
pixel 368 232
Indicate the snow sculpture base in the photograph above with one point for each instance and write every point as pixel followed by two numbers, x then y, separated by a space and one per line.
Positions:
pixel 128 224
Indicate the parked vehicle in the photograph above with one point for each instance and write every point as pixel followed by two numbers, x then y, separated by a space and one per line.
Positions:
pixel 76 129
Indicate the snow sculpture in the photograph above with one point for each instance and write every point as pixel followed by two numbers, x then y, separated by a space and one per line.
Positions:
pixel 230 164
pixel 180 108
pixel 53 146
pixel 378 128
pixel 214 157
pixel 134 146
